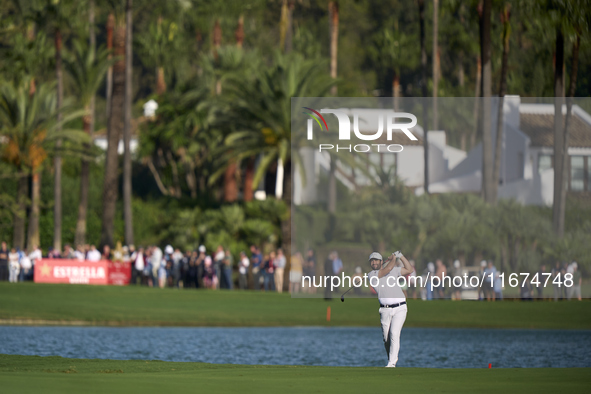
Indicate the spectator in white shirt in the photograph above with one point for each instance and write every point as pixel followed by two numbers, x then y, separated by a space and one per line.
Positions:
pixel 26 267
pixel 79 253
pixel 155 260
pixel 93 254
pixel 13 266
pixel 243 270
pixel 279 269
pixel 139 264
pixel 35 255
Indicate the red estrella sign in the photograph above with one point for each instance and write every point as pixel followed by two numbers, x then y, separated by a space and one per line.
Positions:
pixel 82 272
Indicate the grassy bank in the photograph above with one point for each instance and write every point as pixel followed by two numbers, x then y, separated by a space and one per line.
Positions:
pixel 32 374
pixel 110 305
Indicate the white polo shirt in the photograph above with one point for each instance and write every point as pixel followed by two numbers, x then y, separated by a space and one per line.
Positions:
pixel 388 290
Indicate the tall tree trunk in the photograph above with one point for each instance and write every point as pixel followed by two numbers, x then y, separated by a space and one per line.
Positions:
pixel 424 93
pixel 487 154
pixel 333 19
pixel 289 26
pixel 333 15
pixel 127 207
pixel 396 90
pixel 461 72
pixel 92 34
pixel 160 81
pixel 33 230
pixel 217 42
pixel 558 221
pixel 30 38
pixel 230 184
pixel 114 131
pixel 230 181
pixel 332 185
pixel 502 90
pixel 239 33
pixel 57 185
pixel 248 179
pixel 565 156
pixel 109 93
pixel 286 224
pixel 191 178
pixel 435 63
pixel 20 215
pixel 88 125
pixel 476 103
pixel 80 236
pixel 176 181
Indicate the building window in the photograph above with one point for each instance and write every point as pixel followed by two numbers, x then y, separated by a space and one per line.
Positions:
pixel 577 173
pixel 544 162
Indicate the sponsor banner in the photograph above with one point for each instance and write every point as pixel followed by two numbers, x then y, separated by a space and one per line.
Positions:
pixel 82 272
pixel 119 273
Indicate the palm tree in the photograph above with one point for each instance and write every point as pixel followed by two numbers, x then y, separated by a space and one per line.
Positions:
pixel 156 47
pixel 127 212
pixel 181 136
pixel 262 117
pixel 109 88
pixel 286 25
pixel 29 56
pixel 87 71
pixel 389 48
pixel 333 19
pixel 114 131
pixel 435 63
pixel 29 123
pixel 485 119
pixel 333 23
pixel 231 63
pixel 568 18
pixel 57 17
pixel 502 89
pixel 424 93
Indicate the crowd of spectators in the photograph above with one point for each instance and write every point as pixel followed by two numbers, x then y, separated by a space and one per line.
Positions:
pixel 154 267
pixel 258 270
pixel 493 283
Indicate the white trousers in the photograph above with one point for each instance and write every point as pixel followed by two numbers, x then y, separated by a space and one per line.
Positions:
pixel 13 274
pixel 392 320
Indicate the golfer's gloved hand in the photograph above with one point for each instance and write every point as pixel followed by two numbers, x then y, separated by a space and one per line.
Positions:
pixel 398 254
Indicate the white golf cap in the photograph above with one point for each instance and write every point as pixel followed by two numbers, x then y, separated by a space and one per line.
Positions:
pixel 375 255
pixel 202 248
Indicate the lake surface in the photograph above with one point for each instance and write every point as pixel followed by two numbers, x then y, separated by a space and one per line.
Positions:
pixel 355 346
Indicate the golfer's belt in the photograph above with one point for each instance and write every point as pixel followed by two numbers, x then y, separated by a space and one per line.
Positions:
pixel 393 305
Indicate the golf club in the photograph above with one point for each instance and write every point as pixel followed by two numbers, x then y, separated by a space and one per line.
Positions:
pixel 343 296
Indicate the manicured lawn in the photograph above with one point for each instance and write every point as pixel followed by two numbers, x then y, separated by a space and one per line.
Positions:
pixel 112 305
pixel 32 374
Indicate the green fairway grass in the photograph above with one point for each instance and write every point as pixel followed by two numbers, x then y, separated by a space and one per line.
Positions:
pixel 33 374
pixel 29 303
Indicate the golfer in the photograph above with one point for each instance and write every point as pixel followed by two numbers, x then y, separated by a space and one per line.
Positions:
pixel 391 298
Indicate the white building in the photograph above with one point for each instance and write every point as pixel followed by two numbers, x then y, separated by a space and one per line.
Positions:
pixel 526 173
pixel 527 156
pixel 407 165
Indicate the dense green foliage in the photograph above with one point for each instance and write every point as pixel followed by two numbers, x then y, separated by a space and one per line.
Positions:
pixel 450 226
pixel 224 90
